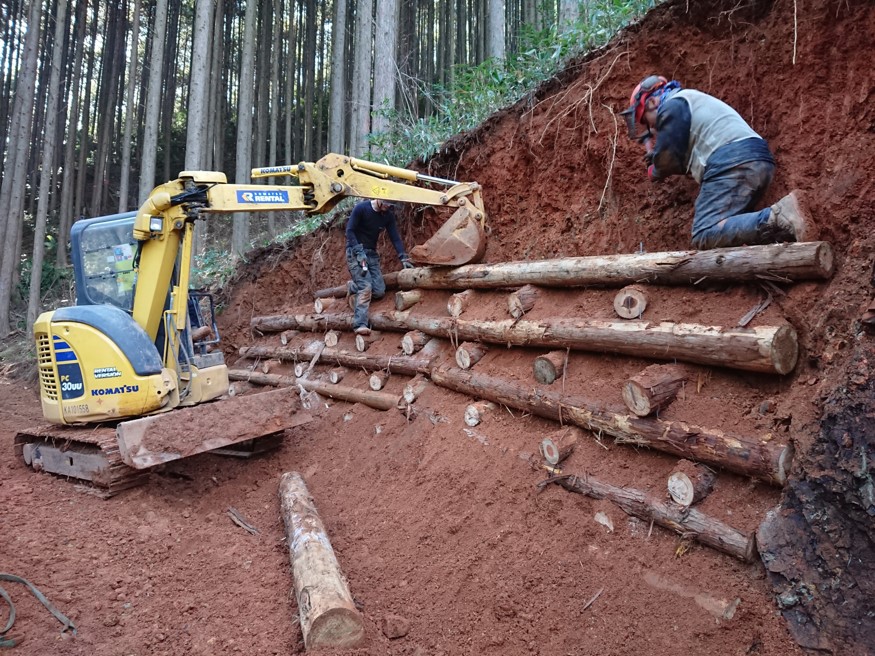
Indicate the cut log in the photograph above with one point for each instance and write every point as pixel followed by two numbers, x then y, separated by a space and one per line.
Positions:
pixel 329 618
pixel 766 349
pixel 458 302
pixel 331 338
pixel 558 446
pixel 760 458
pixel 362 342
pixel 287 336
pixel 377 400
pixel 406 300
pixel 378 380
pixel 780 262
pixel 654 388
pixel 413 341
pixel 469 353
pixel 391 280
pixel 300 369
pixel 630 302
pixel 414 388
pixel 689 483
pixel 686 521
pixel 522 300
pixel 269 365
pixel 475 412
pixel 336 375
pixel 409 365
pixel 239 388
pixel 550 366
pixel 321 305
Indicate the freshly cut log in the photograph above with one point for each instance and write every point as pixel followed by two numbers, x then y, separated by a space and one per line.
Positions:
pixel 779 262
pixel 331 338
pixel 686 521
pixel 760 458
pixel 689 483
pixel 522 300
pixel 413 341
pixel 458 302
pixel 630 302
pixel 409 365
pixel 654 388
pixel 362 342
pixel 268 365
pixel 559 445
pixel 377 400
pixel 475 412
pixel 406 300
pixel 239 388
pixel 414 388
pixel 336 375
pixel 329 618
pixel 300 369
pixel 321 305
pixel 288 335
pixel 378 379
pixel 391 280
pixel 469 353
pixel 550 366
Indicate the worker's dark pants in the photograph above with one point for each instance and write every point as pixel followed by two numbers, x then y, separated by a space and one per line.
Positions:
pixel 723 208
pixel 366 285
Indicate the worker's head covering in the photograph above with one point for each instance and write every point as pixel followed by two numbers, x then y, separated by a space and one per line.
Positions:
pixel 652 85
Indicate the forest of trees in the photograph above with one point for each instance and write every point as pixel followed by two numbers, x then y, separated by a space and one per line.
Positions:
pixel 101 101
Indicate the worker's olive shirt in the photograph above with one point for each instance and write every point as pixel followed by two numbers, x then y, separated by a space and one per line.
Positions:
pixel 365 225
pixel 691 126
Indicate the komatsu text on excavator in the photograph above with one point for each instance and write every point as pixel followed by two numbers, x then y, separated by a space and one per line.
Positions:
pixel 139 344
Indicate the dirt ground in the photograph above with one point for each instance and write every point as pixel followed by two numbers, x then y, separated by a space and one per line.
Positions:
pixel 441 529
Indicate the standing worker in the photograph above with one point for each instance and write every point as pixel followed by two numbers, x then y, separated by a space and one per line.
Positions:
pixel 687 131
pixel 368 219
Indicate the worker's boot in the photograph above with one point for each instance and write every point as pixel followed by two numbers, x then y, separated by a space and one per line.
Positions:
pixel 788 221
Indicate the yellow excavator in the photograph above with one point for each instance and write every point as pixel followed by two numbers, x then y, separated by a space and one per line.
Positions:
pixel 131 377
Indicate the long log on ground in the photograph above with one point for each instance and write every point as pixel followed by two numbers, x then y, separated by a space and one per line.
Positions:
pixel 391 280
pixel 686 521
pixel 410 365
pixel 376 400
pixel 329 618
pixel 766 349
pixel 759 458
pixel 777 262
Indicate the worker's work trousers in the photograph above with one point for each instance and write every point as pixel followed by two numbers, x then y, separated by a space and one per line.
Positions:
pixel 723 209
pixel 366 285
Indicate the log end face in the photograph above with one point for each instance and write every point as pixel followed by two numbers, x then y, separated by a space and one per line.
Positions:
pixel 635 400
pixel 680 489
pixel 785 461
pixel 545 372
pixel 825 260
pixel 338 628
pixel 785 349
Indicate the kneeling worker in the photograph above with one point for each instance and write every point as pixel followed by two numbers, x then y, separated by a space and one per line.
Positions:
pixel 368 219
pixel 685 131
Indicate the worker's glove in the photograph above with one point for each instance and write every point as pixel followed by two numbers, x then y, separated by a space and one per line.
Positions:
pixel 406 263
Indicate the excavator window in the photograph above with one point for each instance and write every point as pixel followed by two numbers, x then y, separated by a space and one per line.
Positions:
pixel 103 252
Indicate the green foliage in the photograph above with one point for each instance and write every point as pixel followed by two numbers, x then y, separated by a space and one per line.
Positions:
pixel 479 91
pixel 212 269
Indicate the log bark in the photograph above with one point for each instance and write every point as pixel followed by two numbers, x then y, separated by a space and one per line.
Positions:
pixel 689 483
pixel 321 305
pixel 363 342
pixel 378 380
pixel 332 337
pixel 778 262
pixel 686 521
pixel 376 400
pixel 475 412
pixel 760 458
pixel 559 445
pixel 522 300
pixel 414 388
pixel 413 341
pixel 329 618
pixel 287 336
pixel 336 375
pixel 654 388
pixel 549 367
pixel 469 353
pixel 391 280
pixel 458 302
pixel 406 300
pixel 409 365
pixel 630 302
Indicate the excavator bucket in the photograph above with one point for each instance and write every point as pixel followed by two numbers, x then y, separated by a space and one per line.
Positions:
pixel 157 439
pixel 460 240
